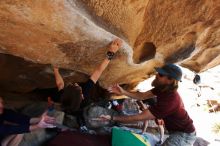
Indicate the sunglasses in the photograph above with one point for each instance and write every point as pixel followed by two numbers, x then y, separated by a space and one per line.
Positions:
pixel 161 75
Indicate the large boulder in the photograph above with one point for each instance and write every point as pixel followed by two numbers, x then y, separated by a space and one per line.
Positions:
pixel 74 35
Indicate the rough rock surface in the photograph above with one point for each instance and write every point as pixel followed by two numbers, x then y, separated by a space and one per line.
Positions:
pixel 74 34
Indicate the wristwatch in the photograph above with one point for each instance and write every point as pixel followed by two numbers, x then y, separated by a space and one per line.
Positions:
pixel 110 55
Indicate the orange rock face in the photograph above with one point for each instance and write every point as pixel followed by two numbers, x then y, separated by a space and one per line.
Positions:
pixel 74 35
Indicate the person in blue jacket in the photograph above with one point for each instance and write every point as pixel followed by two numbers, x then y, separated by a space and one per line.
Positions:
pixel 13 125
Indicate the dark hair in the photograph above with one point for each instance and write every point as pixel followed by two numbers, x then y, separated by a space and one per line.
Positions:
pixel 71 98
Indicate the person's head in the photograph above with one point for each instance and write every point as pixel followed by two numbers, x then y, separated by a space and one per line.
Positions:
pixel 167 77
pixel 71 98
pixel 1 105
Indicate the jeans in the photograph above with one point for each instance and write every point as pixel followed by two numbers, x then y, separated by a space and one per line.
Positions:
pixel 180 139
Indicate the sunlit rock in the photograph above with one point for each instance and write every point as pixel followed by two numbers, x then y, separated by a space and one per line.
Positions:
pixel 74 35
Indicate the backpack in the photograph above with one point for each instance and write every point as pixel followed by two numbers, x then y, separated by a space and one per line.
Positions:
pixel 197 79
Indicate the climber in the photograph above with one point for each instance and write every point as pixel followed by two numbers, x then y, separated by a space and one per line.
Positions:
pixel 169 107
pixel 13 125
pixel 74 97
